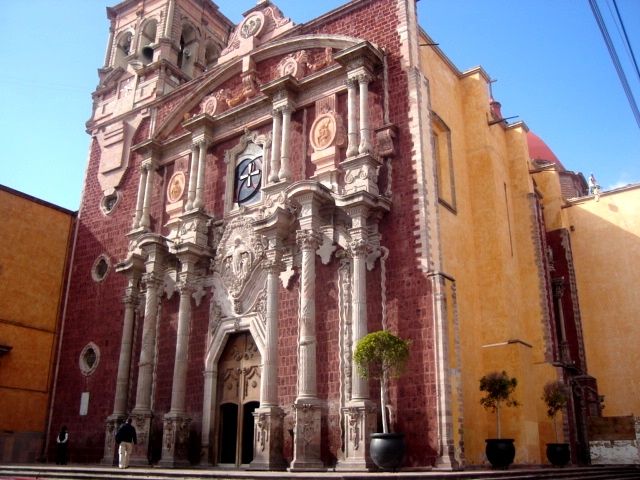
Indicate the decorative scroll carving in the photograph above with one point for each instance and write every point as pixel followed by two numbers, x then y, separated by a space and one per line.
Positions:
pixel 322 62
pixel 305 422
pixel 294 64
pixel 214 103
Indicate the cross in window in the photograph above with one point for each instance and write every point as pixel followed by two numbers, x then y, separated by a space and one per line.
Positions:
pixel 250 172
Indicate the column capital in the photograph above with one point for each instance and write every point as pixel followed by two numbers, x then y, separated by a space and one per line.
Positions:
pixel 273 266
pixel 148 165
pixel 363 76
pixel 152 280
pixel 199 142
pixel 308 239
pixel 360 247
pixel 130 298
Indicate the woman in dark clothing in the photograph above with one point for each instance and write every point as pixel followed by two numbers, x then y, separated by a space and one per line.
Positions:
pixel 62 442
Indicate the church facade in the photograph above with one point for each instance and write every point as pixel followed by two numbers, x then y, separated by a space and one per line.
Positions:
pixel 258 198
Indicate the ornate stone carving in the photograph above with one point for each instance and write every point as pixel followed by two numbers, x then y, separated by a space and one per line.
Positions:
pixel 326 249
pixel 293 64
pixel 359 247
pixel 322 62
pixel 175 189
pixel 252 25
pixel 385 137
pixel 308 239
pixel 259 26
pixel 326 136
pixel 214 103
pixel 323 131
pixel 239 252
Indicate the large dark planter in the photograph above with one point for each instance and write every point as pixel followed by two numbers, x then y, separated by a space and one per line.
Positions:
pixel 500 452
pixel 387 450
pixel 558 454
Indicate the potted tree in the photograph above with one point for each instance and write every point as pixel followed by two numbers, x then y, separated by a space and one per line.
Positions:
pixel 381 355
pixel 499 388
pixel 556 396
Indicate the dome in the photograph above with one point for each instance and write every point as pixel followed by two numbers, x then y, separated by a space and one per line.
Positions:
pixel 540 152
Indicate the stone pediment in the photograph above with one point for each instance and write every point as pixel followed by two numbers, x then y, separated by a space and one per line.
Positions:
pixel 208 97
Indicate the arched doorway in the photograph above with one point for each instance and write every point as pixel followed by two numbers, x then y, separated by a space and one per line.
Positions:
pixel 238 396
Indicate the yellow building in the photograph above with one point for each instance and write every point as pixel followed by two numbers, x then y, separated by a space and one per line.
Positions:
pixel 503 212
pixel 605 238
pixel 36 239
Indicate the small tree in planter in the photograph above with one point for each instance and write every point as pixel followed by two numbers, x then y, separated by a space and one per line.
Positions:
pixel 556 397
pixel 381 355
pixel 499 388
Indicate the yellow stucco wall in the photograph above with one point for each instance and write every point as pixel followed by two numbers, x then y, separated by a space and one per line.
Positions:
pixel 35 239
pixel 605 240
pixel 489 247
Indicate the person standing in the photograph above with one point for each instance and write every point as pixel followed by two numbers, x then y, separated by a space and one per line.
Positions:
pixel 125 438
pixel 62 442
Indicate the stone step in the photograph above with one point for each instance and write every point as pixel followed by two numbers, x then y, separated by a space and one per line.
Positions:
pixel 81 472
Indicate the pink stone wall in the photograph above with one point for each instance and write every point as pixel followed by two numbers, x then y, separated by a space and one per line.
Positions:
pixel 95 310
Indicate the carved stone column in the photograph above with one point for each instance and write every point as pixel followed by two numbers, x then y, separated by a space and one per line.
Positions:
pixel 142 411
pixel 198 203
pixel 176 422
pixel 352 123
pixel 276 142
pixel 193 177
pixel 133 268
pixel 359 412
pixel 150 166
pixel 142 184
pixel 282 92
pixel 268 426
pixel 285 169
pixel 365 130
pixel 306 448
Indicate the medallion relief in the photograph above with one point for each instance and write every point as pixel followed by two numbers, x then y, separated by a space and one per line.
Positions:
pixel 175 190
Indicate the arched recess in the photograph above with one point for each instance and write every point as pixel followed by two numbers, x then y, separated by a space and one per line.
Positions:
pixel 232 68
pixel 216 343
pixel 147 40
pixel 188 53
pixel 211 54
pixel 123 49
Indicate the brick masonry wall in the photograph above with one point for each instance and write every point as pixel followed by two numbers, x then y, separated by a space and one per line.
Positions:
pixel 95 310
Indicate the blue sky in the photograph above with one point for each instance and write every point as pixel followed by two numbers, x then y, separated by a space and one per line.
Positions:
pixel 551 65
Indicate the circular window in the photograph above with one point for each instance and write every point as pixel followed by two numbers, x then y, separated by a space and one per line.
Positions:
pixel 100 268
pixel 109 202
pixel 89 358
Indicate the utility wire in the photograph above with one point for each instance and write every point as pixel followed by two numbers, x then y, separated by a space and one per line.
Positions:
pixel 626 38
pixel 616 60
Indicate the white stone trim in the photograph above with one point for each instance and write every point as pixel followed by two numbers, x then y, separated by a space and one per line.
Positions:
pixel 94 274
pixel 85 368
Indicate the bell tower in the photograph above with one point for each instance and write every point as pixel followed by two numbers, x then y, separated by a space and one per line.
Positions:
pixel 187 35
pixel 154 47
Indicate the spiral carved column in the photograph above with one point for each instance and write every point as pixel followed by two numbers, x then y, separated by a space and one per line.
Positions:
pixel 306 447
